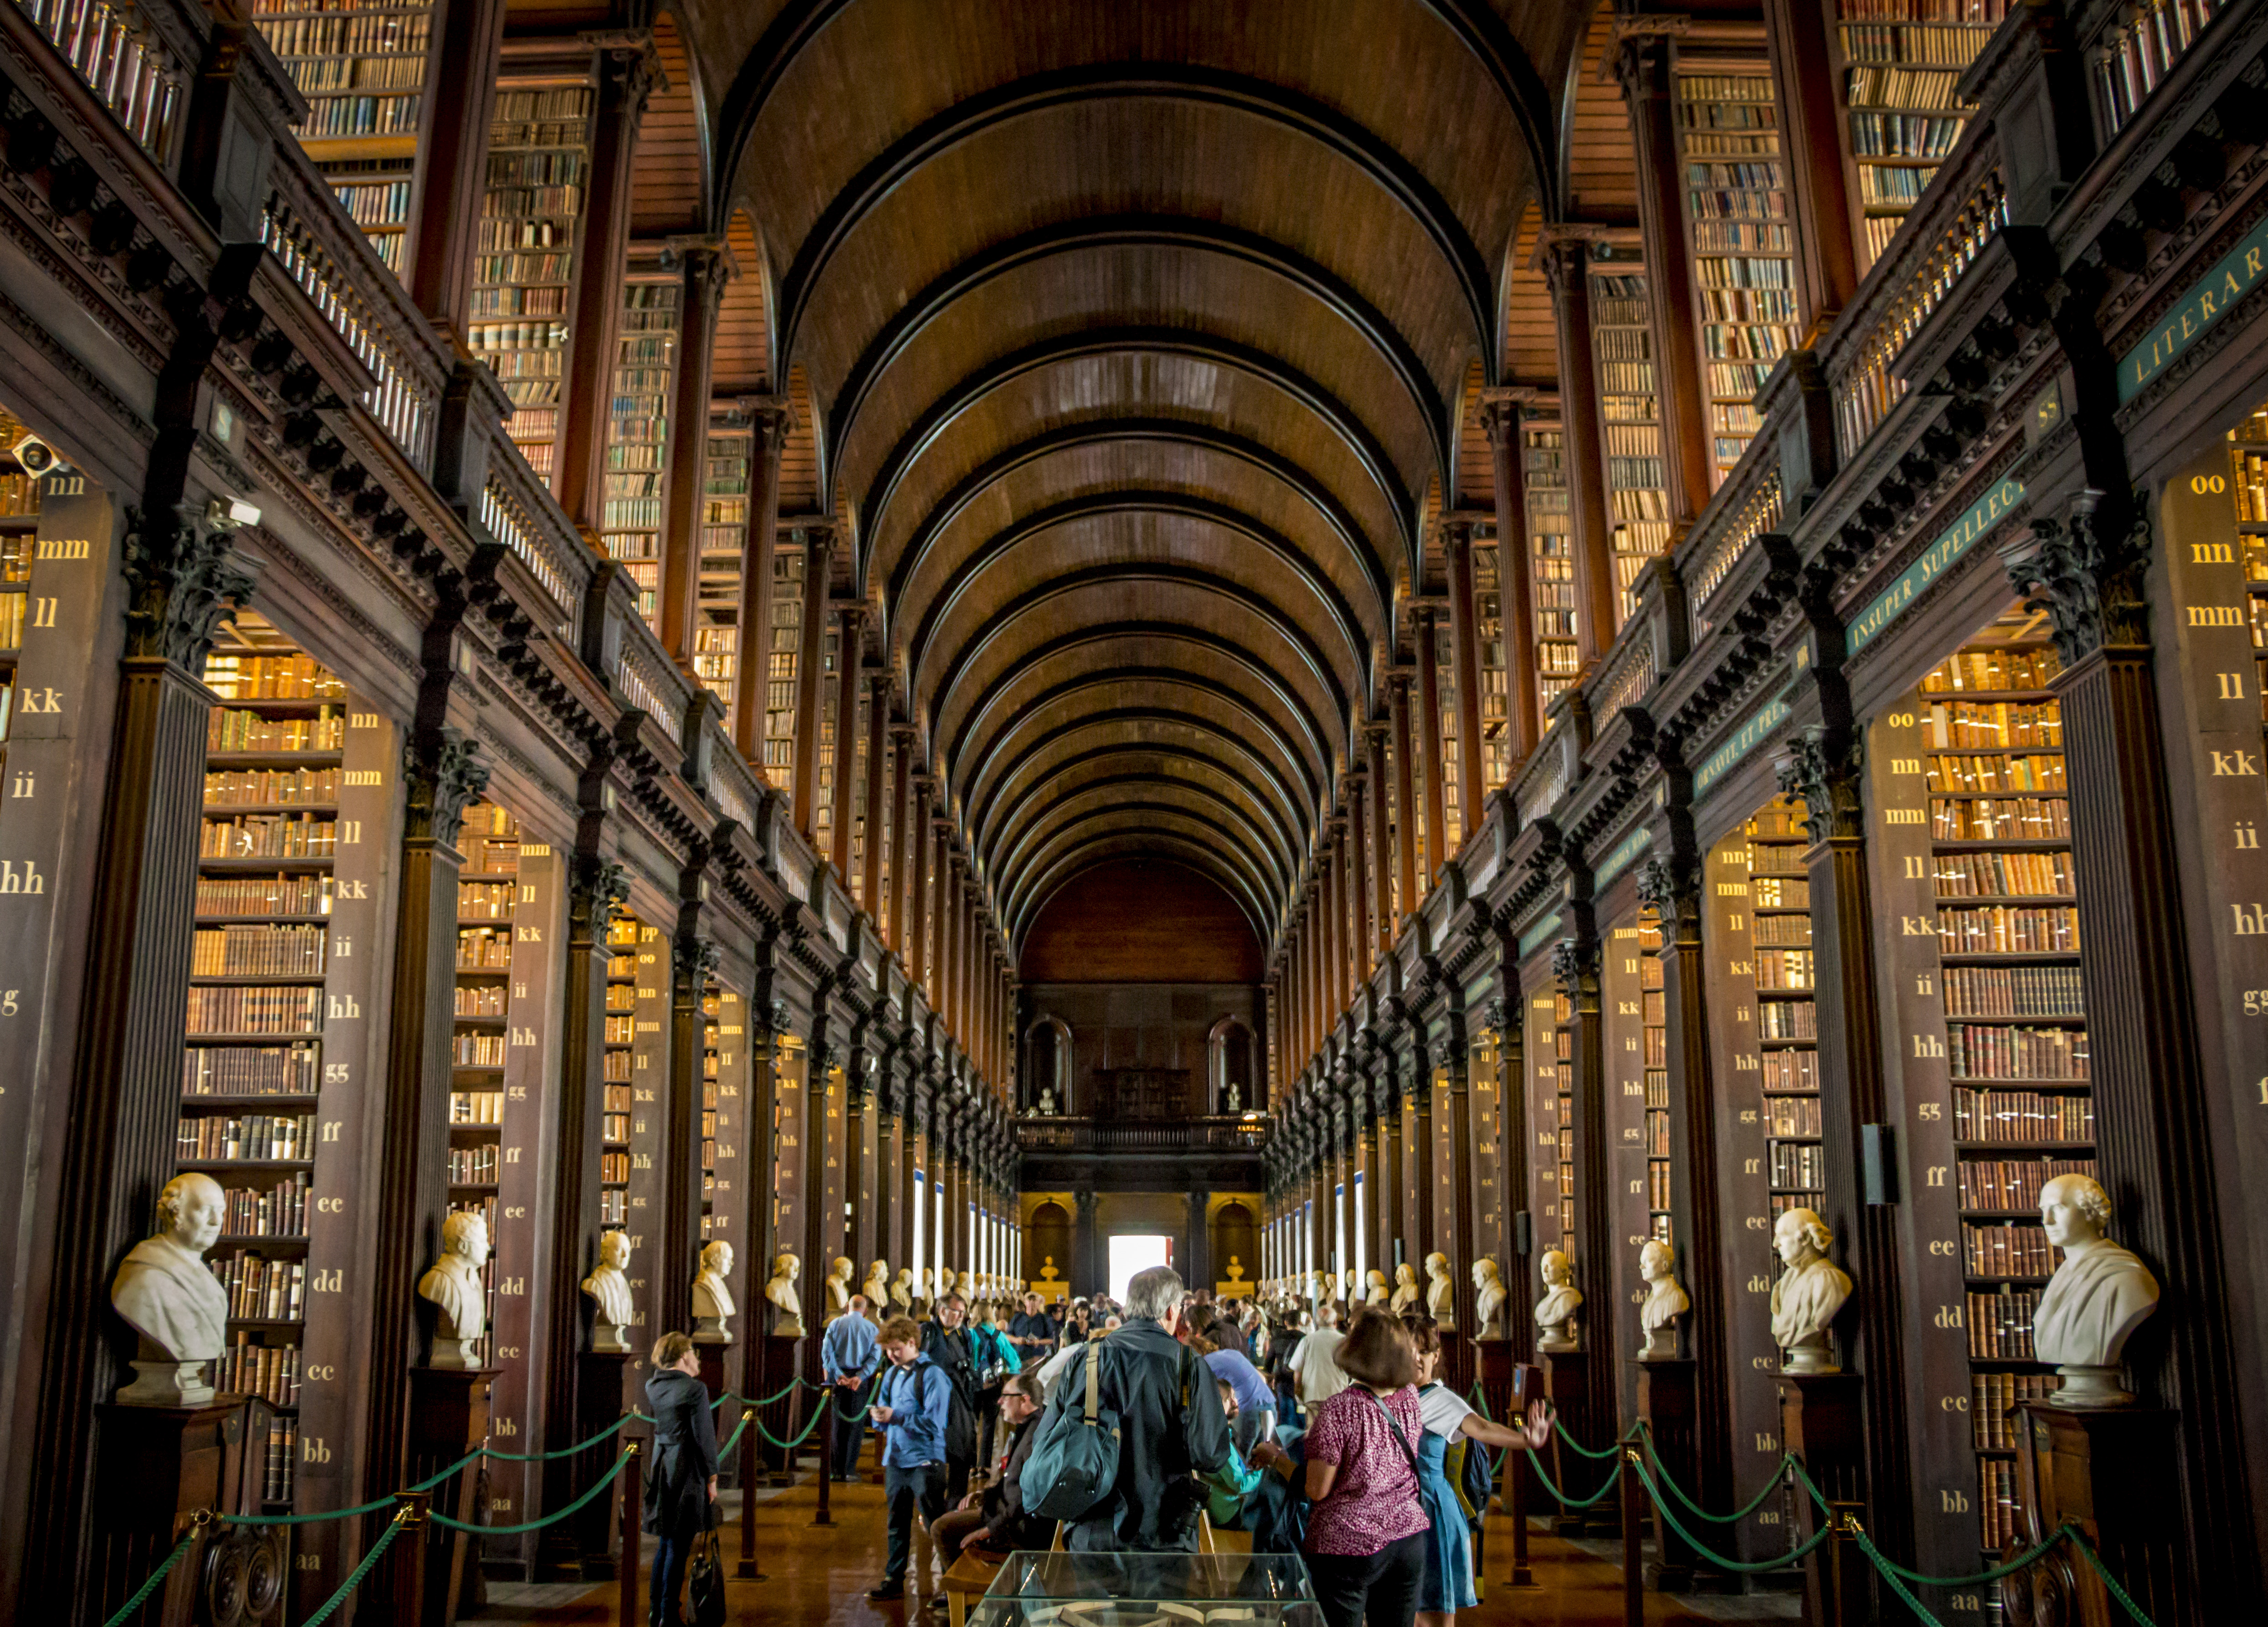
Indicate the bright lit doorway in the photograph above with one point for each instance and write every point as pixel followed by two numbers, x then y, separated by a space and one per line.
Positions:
pixel 1130 1255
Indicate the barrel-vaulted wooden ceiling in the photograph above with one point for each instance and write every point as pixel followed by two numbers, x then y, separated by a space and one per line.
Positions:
pixel 1134 343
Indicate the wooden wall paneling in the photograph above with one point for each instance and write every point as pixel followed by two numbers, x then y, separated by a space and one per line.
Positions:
pixel 740 1179
pixel 791 1222
pixel 1623 954
pixel 679 1222
pixel 651 1106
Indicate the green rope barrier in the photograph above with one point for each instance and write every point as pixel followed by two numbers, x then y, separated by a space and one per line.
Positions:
pixel 1572 1444
pixel 330 1605
pixel 284 1520
pixel 125 1611
pixel 2010 1568
pixel 1742 1566
pixel 738 1430
pixel 1694 1508
pixel 577 1506
pixel 545 1457
pixel 818 1414
pixel 2110 1581
pixel 431 1481
pixel 1564 1501
pixel 1867 1548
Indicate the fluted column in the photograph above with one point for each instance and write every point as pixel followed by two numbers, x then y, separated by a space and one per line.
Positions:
pixel 1381 843
pixel 1465 658
pixel 1405 790
pixel 902 833
pixel 877 774
pixel 1515 571
pixel 1565 260
pixel 705 267
pixel 1360 932
pixel 850 635
pixel 810 696
pixel 916 847
pixel 1435 847
pixel 771 422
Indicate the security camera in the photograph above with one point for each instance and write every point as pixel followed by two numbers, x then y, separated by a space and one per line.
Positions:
pixel 230 514
pixel 37 457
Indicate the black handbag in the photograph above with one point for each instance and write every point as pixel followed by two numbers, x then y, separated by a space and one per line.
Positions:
pixel 704 1583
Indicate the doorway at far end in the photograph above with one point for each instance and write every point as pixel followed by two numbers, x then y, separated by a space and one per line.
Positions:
pixel 1130 1255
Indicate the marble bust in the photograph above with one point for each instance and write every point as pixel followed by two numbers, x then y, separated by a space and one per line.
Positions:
pixel 2097 1296
pixel 1350 1295
pixel 1375 1292
pixel 1324 1288
pixel 166 1293
pixel 787 1307
pixel 877 1287
pixel 454 1284
pixel 1441 1292
pixel 609 1287
pixel 901 1291
pixel 1235 1269
pixel 1488 1295
pixel 1665 1302
pixel 966 1287
pixel 712 1295
pixel 1554 1313
pixel 1049 1280
pixel 1810 1291
pixel 838 1286
pixel 1405 1289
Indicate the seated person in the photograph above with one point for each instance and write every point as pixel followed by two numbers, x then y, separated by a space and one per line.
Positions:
pixel 1227 1487
pixel 993 1521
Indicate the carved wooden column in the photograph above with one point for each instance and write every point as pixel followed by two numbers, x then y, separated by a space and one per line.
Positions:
pixel 878 776
pixel 851 636
pixel 1564 255
pixel 1822 766
pixel 902 837
pixel 692 958
pixel 1462 1243
pixel 1515 571
pixel 1417 1132
pixel 1405 791
pixel 1362 935
pixel 1643 64
pixel 910 1113
pixel 1828 230
pixel 461 70
pixel 628 71
pixel 2154 1134
pixel 915 849
pixel 859 1230
pixel 1435 847
pixel 1381 842
pixel 771 421
pixel 1514 1158
pixel 810 696
pixel 1575 965
pixel 948 926
pixel 1465 654
pixel 1392 1196
pixel 820 1228
pixel 704 266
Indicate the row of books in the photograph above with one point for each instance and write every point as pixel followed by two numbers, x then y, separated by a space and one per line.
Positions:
pixel 236 676
pixel 348 34
pixel 480 1000
pixel 2007 1250
pixel 1749 303
pixel 2014 992
pixel 1786 1020
pixel 1903 135
pixel 260 1288
pixel 255 1010
pixel 297 836
pixel 541 301
pixel 554 268
pixel 257 952
pixel 1999 1513
pixel 270 787
pixel 2020 1116
pixel 19 499
pixel 613 1168
pixel 1657 1183
pixel 2031 771
pixel 1783 929
pixel 524 230
pixel 570 102
pixel 1792 1116
pixel 2000 1324
pixel 2000 818
pixel 1992 722
pixel 1792 1070
pixel 1657 1133
pixel 282 1461
pixel 2001 1053
pixel 1742 237
pixel 484 949
pixel 1988 875
pixel 614 1203
pixel 484 901
pixel 1921 11
pixel 473 1166
pixel 618 1099
pixel 1988 671
pixel 477 1050
pixel 2013 1182
pixel 615 1066
pixel 280 1210
pixel 251 1070
pixel 209 1138
pixel 2133 58
pixel 230 728
pixel 2008 928
pixel 1899 88
pixel 270 1372
pixel 615 1128
pixel 1770 891
pixel 1797 1164
pixel 1785 968
pixel 476 1107
pixel 1993 1399
pixel 361 115
pixel 622 1027
pixel 328 77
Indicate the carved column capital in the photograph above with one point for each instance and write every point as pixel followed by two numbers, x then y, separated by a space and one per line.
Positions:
pixel 598 890
pixel 1675 893
pixel 183 576
pixel 2086 574
pixel 1575 965
pixel 445 773
pixel 1822 767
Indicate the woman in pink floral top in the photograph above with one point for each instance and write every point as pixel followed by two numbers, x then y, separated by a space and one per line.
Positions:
pixel 1366 1544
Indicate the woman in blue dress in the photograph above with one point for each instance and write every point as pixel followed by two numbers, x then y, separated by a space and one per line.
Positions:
pixel 1448 1586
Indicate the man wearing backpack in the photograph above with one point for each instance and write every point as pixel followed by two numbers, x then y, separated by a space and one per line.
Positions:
pixel 946 1342
pixel 912 1407
pixel 1169 1421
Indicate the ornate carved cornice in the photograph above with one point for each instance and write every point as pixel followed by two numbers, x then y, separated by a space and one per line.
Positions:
pixel 2086 576
pixel 1822 766
pixel 183 576
pixel 443 773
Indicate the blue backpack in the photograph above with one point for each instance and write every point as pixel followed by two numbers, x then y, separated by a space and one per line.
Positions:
pixel 1074 1463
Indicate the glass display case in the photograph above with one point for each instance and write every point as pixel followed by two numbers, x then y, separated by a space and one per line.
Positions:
pixel 1137 1590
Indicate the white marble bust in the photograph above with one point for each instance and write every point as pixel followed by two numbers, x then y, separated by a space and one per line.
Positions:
pixel 1375 1292
pixel 2097 1296
pixel 166 1293
pixel 609 1289
pixel 1405 1289
pixel 966 1286
pixel 454 1284
pixel 1808 1293
pixel 787 1307
pixel 1665 1301
pixel 838 1286
pixel 1322 1283
pixel 1349 1294
pixel 712 1295
pixel 1554 1313
pixel 877 1287
pixel 1489 1296
pixel 1440 1289
pixel 901 1291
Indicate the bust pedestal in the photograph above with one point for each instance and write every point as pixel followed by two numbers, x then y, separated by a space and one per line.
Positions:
pixel 2111 1470
pixel 600 1376
pixel 1564 1373
pixel 155 1467
pixel 1820 1419
pixel 1666 1400
pixel 780 1366
pixel 1457 1361
pixel 1508 1384
pixel 448 1418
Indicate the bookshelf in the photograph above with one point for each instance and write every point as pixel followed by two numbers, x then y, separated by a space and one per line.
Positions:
pixel 638 436
pixel 1653 1045
pixel 620 1036
pixel 487 892
pixel 2141 48
pixel 1622 334
pixel 524 266
pixel 648 951
pixel 1445 678
pixel 1787 1012
pixel 19 524
pixel 1898 65
pixel 780 670
pixel 1994 1019
pixel 822 811
pixel 1736 205
pixel 1551 528
pixel 2247 468
pixel 723 546
pixel 1550 1113
pixel 725 1094
pixel 1488 634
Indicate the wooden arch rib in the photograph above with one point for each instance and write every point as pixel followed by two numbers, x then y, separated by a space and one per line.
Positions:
pixel 1022 900
pixel 1348 425
pixel 1176 431
pixel 1256 605
pixel 1394 176
pixel 930 305
pixel 1016 837
pixel 1007 800
pixel 1148 824
pixel 982 756
pixel 1174 505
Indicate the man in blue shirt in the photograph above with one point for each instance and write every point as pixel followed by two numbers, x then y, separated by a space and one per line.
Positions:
pixel 847 1358
pixel 911 1409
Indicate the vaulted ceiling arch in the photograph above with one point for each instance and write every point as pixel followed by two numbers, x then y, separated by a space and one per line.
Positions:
pixel 1197 829
pixel 1024 897
pixel 1146 792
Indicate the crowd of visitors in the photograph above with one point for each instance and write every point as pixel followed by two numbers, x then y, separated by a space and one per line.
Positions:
pixel 1326 1433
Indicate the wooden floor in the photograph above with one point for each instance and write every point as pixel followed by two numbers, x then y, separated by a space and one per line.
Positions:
pixel 819 1575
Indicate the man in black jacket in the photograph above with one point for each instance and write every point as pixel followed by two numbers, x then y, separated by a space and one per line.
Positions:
pixel 994 1520
pixel 1170 1423
pixel 945 1342
pixel 681 1481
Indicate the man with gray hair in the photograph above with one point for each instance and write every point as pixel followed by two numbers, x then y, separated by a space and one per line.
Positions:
pixel 1170 1423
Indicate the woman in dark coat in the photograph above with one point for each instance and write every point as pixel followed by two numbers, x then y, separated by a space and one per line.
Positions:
pixel 681 1487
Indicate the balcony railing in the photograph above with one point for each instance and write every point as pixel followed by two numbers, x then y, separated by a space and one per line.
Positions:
pixel 1086 1135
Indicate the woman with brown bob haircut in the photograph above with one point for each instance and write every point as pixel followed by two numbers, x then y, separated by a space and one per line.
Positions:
pixel 1367 1531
